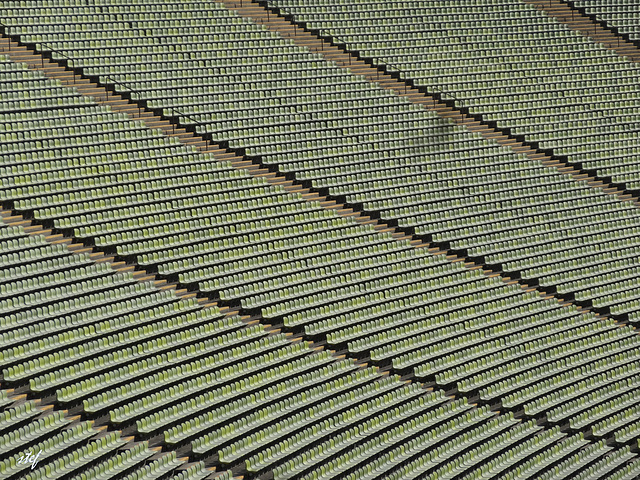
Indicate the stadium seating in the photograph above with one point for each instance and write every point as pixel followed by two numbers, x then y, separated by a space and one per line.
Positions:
pixel 380 290
pixel 600 468
pixel 46 437
pixel 54 445
pixel 539 388
pixel 232 408
pixel 283 103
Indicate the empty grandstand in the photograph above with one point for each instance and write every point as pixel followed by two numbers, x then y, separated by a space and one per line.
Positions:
pixel 334 239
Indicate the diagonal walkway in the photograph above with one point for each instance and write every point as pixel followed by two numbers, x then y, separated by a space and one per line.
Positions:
pixel 275 178
pixel 586 25
pixel 288 29
pixel 17 398
pixel 119 104
pixel 272 21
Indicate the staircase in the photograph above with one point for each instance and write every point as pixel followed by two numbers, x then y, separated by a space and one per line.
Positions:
pixel 575 19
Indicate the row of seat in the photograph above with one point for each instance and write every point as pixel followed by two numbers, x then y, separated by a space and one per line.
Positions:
pixel 137 326
pixel 46 437
pixel 130 392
